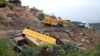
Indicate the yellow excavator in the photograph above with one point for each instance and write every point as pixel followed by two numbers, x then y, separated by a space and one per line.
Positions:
pixel 34 38
pixel 56 22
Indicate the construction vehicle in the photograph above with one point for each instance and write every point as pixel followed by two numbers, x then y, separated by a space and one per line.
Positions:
pixel 56 22
pixel 34 38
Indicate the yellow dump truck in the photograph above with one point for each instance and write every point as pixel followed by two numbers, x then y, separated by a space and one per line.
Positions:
pixel 56 22
pixel 34 38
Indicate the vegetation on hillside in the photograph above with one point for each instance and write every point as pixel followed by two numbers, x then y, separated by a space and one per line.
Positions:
pixel 3 3
pixel 38 13
pixel 41 16
pixel 5 50
pixel 63 50
pixel 47 50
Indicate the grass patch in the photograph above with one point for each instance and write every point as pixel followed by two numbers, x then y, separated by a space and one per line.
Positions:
pixel 5 50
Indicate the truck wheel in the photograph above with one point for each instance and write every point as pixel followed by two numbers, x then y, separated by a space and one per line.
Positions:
pixel 16 49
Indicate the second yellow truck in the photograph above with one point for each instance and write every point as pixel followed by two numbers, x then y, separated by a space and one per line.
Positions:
pixel 56 22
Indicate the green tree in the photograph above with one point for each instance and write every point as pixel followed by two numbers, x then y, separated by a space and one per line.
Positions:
pixel 34 9
pixel 3 3
pixel 41 16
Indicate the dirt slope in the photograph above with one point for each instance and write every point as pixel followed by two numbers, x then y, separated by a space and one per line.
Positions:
pixel 76 35
pixel 20 17
pixel 17 18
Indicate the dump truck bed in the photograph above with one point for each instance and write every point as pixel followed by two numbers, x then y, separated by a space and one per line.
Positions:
pixel 39 36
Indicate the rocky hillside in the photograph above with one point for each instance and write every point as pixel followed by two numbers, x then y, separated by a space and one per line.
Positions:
pixel 21 17
pixel 74 34
pixel 17 18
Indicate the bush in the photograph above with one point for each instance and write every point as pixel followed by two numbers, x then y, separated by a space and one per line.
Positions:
pixel 95 53
pixel 41 16
pixel 11 6
pixel 34 9
pixel 31 51
pixel 5 50
pixel 64 50
pixel 3 3
pixel 7 9
pixel 60 52
pixel 49 46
